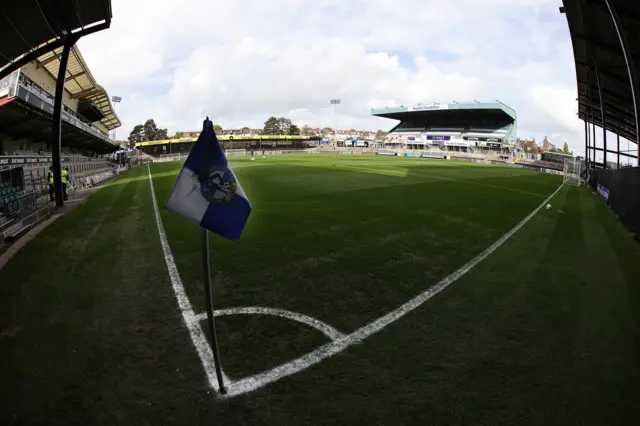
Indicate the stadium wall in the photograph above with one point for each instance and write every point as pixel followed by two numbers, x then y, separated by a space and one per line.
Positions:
pixel 11 146
pixel 620 189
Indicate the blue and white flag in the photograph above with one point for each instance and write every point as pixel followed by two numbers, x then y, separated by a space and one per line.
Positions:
pixel 207 191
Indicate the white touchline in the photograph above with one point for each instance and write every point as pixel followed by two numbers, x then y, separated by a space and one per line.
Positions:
pixel 322 327
pixel 195 331
pixel 259 380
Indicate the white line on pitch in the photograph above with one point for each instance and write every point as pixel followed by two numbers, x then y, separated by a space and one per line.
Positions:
pixel 195 331
pixel 322 327
pixel 259 380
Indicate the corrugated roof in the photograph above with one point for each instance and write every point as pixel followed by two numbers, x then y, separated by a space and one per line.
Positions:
pixel 80 83
pixel 30 28
pixel 409 111
pixel 596 46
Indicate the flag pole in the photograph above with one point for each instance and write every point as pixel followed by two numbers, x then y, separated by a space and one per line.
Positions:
pixel 206 275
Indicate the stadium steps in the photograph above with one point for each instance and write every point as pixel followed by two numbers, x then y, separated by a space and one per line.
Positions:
pixel 16 231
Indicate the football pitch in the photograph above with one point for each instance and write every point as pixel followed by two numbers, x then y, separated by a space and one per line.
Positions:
pixel 365 290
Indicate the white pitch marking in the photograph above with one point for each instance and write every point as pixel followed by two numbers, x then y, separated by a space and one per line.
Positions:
pixel 259 380
pixel 195 331
pixel 322 327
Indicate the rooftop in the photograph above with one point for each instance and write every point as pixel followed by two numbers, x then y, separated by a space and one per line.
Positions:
pixel 80 83
pixel 35 31
pixel 404 112
pixel 596 46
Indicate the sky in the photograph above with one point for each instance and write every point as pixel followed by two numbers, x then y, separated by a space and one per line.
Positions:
pixel 241 61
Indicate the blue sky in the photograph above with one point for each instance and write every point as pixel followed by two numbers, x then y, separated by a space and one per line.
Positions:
pixel 242 61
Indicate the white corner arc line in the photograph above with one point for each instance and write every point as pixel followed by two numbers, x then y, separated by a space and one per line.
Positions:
pixel 195 331
pixel 322 327
pixel 259 380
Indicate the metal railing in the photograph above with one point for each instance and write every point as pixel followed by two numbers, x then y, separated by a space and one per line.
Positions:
pixel 25 89
pixel 17 210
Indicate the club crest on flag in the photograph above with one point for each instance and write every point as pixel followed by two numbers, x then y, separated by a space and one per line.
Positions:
pixel 219 185
pixel 207 191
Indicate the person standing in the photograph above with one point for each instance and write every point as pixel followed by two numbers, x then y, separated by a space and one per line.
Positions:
pixel 50 182
pixel 65 175
pixel 68 176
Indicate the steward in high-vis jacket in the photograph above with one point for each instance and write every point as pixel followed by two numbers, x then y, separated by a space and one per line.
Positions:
pixel 65 175
pixel 50 182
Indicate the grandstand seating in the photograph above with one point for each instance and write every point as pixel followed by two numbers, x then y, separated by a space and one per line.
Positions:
pixel 490 129
pixel 84 171
pixel 463 137
pixel 10 199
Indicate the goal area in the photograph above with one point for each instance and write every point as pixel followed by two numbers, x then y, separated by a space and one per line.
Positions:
pixel 573 171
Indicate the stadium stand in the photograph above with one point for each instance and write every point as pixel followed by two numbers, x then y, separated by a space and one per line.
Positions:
pixel 24 192
pixel 606 47
pixel 159 148
pixel 487 129
pixel 606 42
pixel 27 103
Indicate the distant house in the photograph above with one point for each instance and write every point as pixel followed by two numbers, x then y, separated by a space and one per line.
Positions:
pixel 185 135
pixel 548 146
pixel 224 132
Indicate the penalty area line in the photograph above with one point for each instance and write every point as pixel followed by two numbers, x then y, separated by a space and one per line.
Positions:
pixel 260 380
pixel 188 315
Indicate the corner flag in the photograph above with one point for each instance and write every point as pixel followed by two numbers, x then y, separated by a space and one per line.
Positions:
pixel 207 191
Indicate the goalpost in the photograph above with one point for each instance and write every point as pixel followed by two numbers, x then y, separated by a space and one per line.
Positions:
pixel 573 171
pixel 235 152
pixel 162 158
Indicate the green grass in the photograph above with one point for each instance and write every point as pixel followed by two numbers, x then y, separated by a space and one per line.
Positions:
pixel 543 331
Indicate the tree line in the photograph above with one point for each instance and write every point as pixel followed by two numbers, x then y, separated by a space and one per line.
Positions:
pixel 280 126
pixel 149 131
pixel 283 126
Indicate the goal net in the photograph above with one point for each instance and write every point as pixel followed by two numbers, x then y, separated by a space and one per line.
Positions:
pixel 235 152
pixel 170 157
pixel 572 171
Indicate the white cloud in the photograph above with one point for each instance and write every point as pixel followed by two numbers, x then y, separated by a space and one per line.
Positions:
pixel 557 109
pixel 244 60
